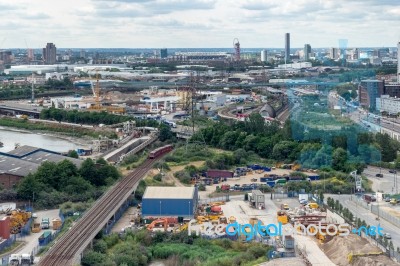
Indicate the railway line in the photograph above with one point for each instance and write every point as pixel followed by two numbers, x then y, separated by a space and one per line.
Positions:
pixel 75 240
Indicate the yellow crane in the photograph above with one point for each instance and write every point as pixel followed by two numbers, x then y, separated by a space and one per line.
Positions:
pixel 98 105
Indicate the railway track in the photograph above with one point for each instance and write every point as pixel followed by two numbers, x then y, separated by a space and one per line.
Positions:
pixel 74 241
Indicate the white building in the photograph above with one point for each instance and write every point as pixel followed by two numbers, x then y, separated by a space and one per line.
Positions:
pixel 398 62
pixel 264 56
pixel 388 104
pixel 296 65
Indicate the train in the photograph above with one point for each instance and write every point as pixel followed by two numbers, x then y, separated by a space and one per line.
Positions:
pixel 160 151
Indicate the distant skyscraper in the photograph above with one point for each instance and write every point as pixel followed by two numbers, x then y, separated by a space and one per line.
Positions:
pixel 287 47
pixel 164 53
pixel 49 54
pixel 82 54
pixel 333 53
pixel 264 55
pixel 30 54
pixel 307 52
pixel 398 62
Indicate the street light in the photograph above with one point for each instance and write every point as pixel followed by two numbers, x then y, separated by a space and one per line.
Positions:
pixel 160 208
pixel 189 209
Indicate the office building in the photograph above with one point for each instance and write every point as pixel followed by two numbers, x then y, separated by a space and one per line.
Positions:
pixel 30 54
pixel 82 54
pixel 264 56
pixel 369 91
pixel 6 57
pixel 164 53
pixel 307 52
pixel 287 47
pixel 50 54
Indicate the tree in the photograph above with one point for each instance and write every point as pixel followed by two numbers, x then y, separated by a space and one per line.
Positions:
pixel 339 159
pixel 321 196
pixel 73 154
pixel 165 133
pixel 29 186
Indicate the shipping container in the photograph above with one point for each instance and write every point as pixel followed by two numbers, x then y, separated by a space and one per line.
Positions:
pixel 271 183
pixel 45 238
pixel 314 177
pixel 219 173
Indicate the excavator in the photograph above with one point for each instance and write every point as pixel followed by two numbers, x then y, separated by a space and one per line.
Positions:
pixel 157 224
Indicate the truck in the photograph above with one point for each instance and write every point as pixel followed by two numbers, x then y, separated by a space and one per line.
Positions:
pixel 369 198
pixel 45 223
pixel 26 260
pixel 36 227
pixel 14 260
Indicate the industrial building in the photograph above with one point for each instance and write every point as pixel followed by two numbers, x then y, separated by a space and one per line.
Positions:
pixel 169 202
pixel 18 163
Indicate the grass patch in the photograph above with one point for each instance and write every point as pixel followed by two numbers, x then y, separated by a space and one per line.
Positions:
pixel 14 245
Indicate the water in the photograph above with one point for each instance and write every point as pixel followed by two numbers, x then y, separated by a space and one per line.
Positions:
pixel 11 137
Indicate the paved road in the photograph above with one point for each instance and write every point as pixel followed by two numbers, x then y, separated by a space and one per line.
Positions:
pixel 385 184
pixel 369 218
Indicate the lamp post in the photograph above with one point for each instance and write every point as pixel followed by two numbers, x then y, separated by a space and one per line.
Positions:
pixel 189 210
pixel 160 208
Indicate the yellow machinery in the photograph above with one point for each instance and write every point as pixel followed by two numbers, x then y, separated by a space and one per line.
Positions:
pixel 296 167
pixel 98 106
pixel 351 256
pixel 282 217
pixel 158 223
pixel 17 220
pixel 313 205
pixel 36 228
pixel 232 219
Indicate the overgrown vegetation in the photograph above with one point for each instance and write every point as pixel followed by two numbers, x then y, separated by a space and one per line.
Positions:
pixel 56 183
pixel 142 247
pixel 66 130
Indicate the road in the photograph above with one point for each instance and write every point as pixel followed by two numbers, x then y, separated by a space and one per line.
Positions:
pixel 367 216
pixel 386 184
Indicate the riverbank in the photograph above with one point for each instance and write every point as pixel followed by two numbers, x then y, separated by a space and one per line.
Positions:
pixel 65 130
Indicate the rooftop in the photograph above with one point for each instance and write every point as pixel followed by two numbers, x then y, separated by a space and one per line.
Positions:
pixel 14 166
pixel 169 193
pixel 42 156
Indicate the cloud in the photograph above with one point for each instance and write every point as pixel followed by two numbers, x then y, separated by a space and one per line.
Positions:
pixel 36 16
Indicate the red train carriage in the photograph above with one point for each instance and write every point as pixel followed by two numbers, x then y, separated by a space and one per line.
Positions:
pixel 160 151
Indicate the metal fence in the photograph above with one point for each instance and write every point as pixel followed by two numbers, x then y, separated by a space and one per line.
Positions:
pixel 385 215
pixel 217 199
pixel 116 217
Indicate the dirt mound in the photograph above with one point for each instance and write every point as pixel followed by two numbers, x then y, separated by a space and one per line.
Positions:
pixel 374 261
pixel 339 248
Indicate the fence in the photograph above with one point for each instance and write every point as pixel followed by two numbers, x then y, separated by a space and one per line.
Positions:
pixel 116 217
pixel 217 199
pixel 374 240
pixel 385 215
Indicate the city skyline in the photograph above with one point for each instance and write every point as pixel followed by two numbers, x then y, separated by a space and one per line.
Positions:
pixel 183 23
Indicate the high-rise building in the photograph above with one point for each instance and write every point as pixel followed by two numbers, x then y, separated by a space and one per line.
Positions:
pixel 307 52
pixel 82 54
pixel 398 62
pixel 50 54
pixel 264 55
pixel 163 53
pixel 334 53
pixel 368 91
pixel 287 47
pixel 30 54
pixel 6 57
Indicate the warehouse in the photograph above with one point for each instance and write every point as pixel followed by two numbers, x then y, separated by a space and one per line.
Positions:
pixel 169 202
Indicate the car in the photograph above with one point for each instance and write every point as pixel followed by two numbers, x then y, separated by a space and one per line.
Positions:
pixel 303 201
pixel 379 175
pixel 387 236
pixel 392 171
pixel 387 199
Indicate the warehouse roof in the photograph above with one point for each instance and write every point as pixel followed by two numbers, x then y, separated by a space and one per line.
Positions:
pixel 14 166
pixel 26 150
pixel 169 193
pixel 42 156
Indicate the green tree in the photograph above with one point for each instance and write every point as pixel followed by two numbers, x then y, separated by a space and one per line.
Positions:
pixel 165 133
pixel 339 159
pixel 73 154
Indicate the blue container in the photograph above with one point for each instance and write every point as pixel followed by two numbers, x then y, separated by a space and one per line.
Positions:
pixel 314 177
pixel 271 183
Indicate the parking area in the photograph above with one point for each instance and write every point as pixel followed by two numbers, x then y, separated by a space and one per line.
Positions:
pixel 31 241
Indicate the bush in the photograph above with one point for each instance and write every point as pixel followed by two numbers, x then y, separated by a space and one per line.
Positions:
pixel 157 177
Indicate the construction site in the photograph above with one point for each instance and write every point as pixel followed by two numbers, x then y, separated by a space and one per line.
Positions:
pixel 184 209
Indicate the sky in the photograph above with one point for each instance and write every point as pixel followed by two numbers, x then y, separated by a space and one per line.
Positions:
pixel 198 23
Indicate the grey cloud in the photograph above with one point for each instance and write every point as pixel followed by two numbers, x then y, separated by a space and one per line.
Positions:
pixel 36 16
